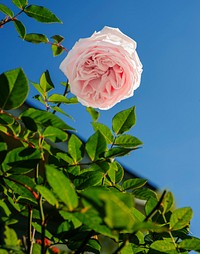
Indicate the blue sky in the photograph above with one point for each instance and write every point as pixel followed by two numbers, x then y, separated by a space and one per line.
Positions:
pixel 168 100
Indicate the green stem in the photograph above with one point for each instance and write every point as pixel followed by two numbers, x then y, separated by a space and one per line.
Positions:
pixel 30 234
pixel 43 224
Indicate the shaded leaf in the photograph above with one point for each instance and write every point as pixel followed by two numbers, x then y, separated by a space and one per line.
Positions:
pixel 57 38
pixel 42 118
pixel 36 38
pixel 20 28
pixel 124 121
pixel 13 89
pixel 62 187
pixel 117 152
pixel 47 194
pixel 41 14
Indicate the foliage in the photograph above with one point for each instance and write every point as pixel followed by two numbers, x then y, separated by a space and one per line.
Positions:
pixel 74 197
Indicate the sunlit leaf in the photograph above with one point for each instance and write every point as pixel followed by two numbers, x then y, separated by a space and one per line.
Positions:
pixel 11 238
pixel 105 131
pixel 20 3
pixel 180 218
pixel 13 89
pixel 191 243
pixel 6 10
pixel 124 121
pixel 47 194
pixel 36 38
pixel 133 183
pixel 164 246
pixel 41 14
pixel 168 202
pixel 75 148
pixel 45 82
pixel 57 50
pixel 93 113
pixel 96 146
pixel 55 134
pixel 127 141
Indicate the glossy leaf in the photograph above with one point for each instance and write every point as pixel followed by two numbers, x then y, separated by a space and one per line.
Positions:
pixel 55 135
pixel 46 82
pixel 6 10
pixel 144 193
pixel 13 89
pixel 75 148
pixel 96 146
pixel 57 38
pixel 117 152
pixel 105 131
pixel 47 194
pixel 56 98
pixel 20 3
pixel 124 121
pixel 62 187
pixel 20 28
pixel 133 183
pixel 93 113
pixel 41 14
pixel 38 117
pixel 150 205
pixel 180 218
pixel 36 38
pixel 127 141
pixel 57 50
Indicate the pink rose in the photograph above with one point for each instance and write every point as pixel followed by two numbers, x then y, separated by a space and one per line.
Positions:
pixel 104 69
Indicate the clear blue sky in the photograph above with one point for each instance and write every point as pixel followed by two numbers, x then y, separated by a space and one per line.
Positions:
pixel 168 100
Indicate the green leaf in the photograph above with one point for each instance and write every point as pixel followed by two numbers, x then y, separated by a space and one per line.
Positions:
pixel 55 134
pixel 57 109
pixel 4 209
pixel 20 28
pixel 13 89
pixel 164 246
pixel 150 205
pixel 45 82
pixel 20 3
pixel 36 38
pixel 57 38
pixel 62 187
pixel 88 179
pixel 168 202
pixel 127 141
pixel 118 214
pixel 190 244
pixel 41 14
pixel 133 183
pixel 93 113
pixel 144 193
pixel 6 10
pixel 105 131
pixel 47 194
pixel 57 50
pixel 119 172
pixel 75 148
pixel 11 238
pixel 124 121
pixel 180 218
pixel 117 152
pixel 56 98
pixel 34 118
pixel 96 146
pixel 21 158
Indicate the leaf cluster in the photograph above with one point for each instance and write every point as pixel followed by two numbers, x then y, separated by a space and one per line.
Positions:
pixel 58 190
